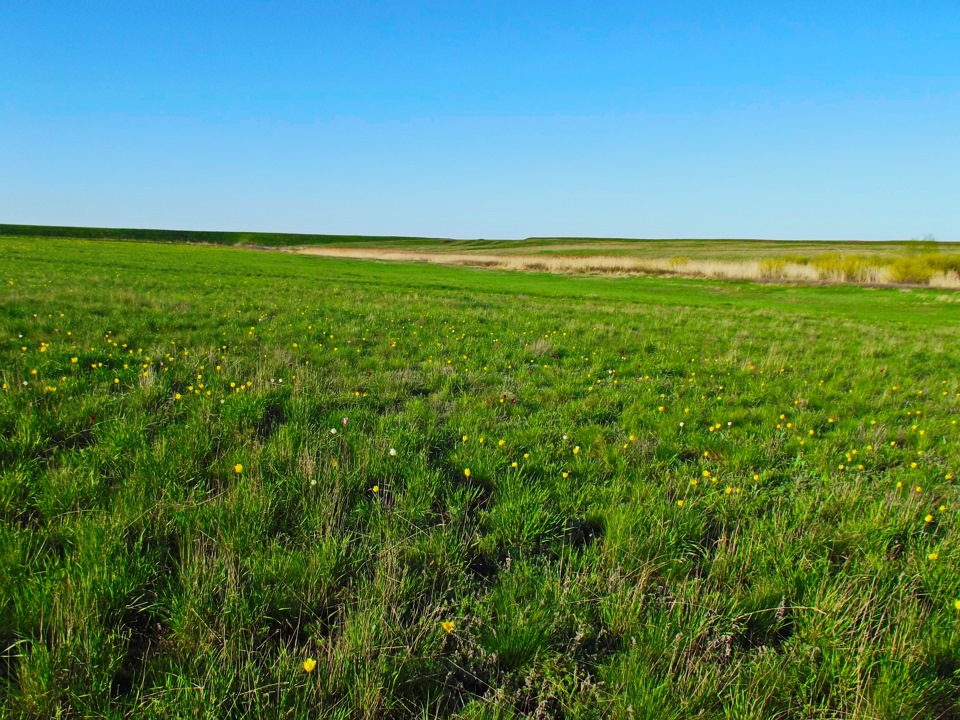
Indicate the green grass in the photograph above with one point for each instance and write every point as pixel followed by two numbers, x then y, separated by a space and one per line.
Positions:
pixel 701 249
pixel 717 509
pixel 206 237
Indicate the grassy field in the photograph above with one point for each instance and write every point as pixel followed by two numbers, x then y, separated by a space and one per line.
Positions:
pixel 733 249
pixel 915 262
pixel 238 483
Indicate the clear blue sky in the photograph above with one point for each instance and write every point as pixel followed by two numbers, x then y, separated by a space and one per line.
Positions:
pixel 485 119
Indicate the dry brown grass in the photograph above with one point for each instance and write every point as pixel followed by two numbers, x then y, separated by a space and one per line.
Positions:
pixel 763 269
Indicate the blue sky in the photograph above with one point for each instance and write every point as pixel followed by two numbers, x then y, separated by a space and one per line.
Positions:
pixel 485 119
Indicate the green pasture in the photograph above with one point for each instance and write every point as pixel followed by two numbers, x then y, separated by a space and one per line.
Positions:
pixel 679 248
pixel 234 483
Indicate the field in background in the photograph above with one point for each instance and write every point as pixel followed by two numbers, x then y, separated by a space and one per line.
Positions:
pixel 934 270
pixel 897 263
pixel 247 483
pixel 915 262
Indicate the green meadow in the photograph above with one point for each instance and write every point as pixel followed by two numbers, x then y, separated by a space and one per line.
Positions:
pixel 237 483
pixel 678 248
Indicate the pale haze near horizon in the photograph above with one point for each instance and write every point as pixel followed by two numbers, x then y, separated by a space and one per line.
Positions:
pixel 484 119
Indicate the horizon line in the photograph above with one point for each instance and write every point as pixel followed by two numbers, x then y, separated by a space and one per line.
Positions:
pixel 89 230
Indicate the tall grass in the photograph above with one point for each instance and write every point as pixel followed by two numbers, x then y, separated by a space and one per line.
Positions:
pixel 936 270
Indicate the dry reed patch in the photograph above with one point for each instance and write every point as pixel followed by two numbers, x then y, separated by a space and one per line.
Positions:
pixel 831 270
pixel 947 281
